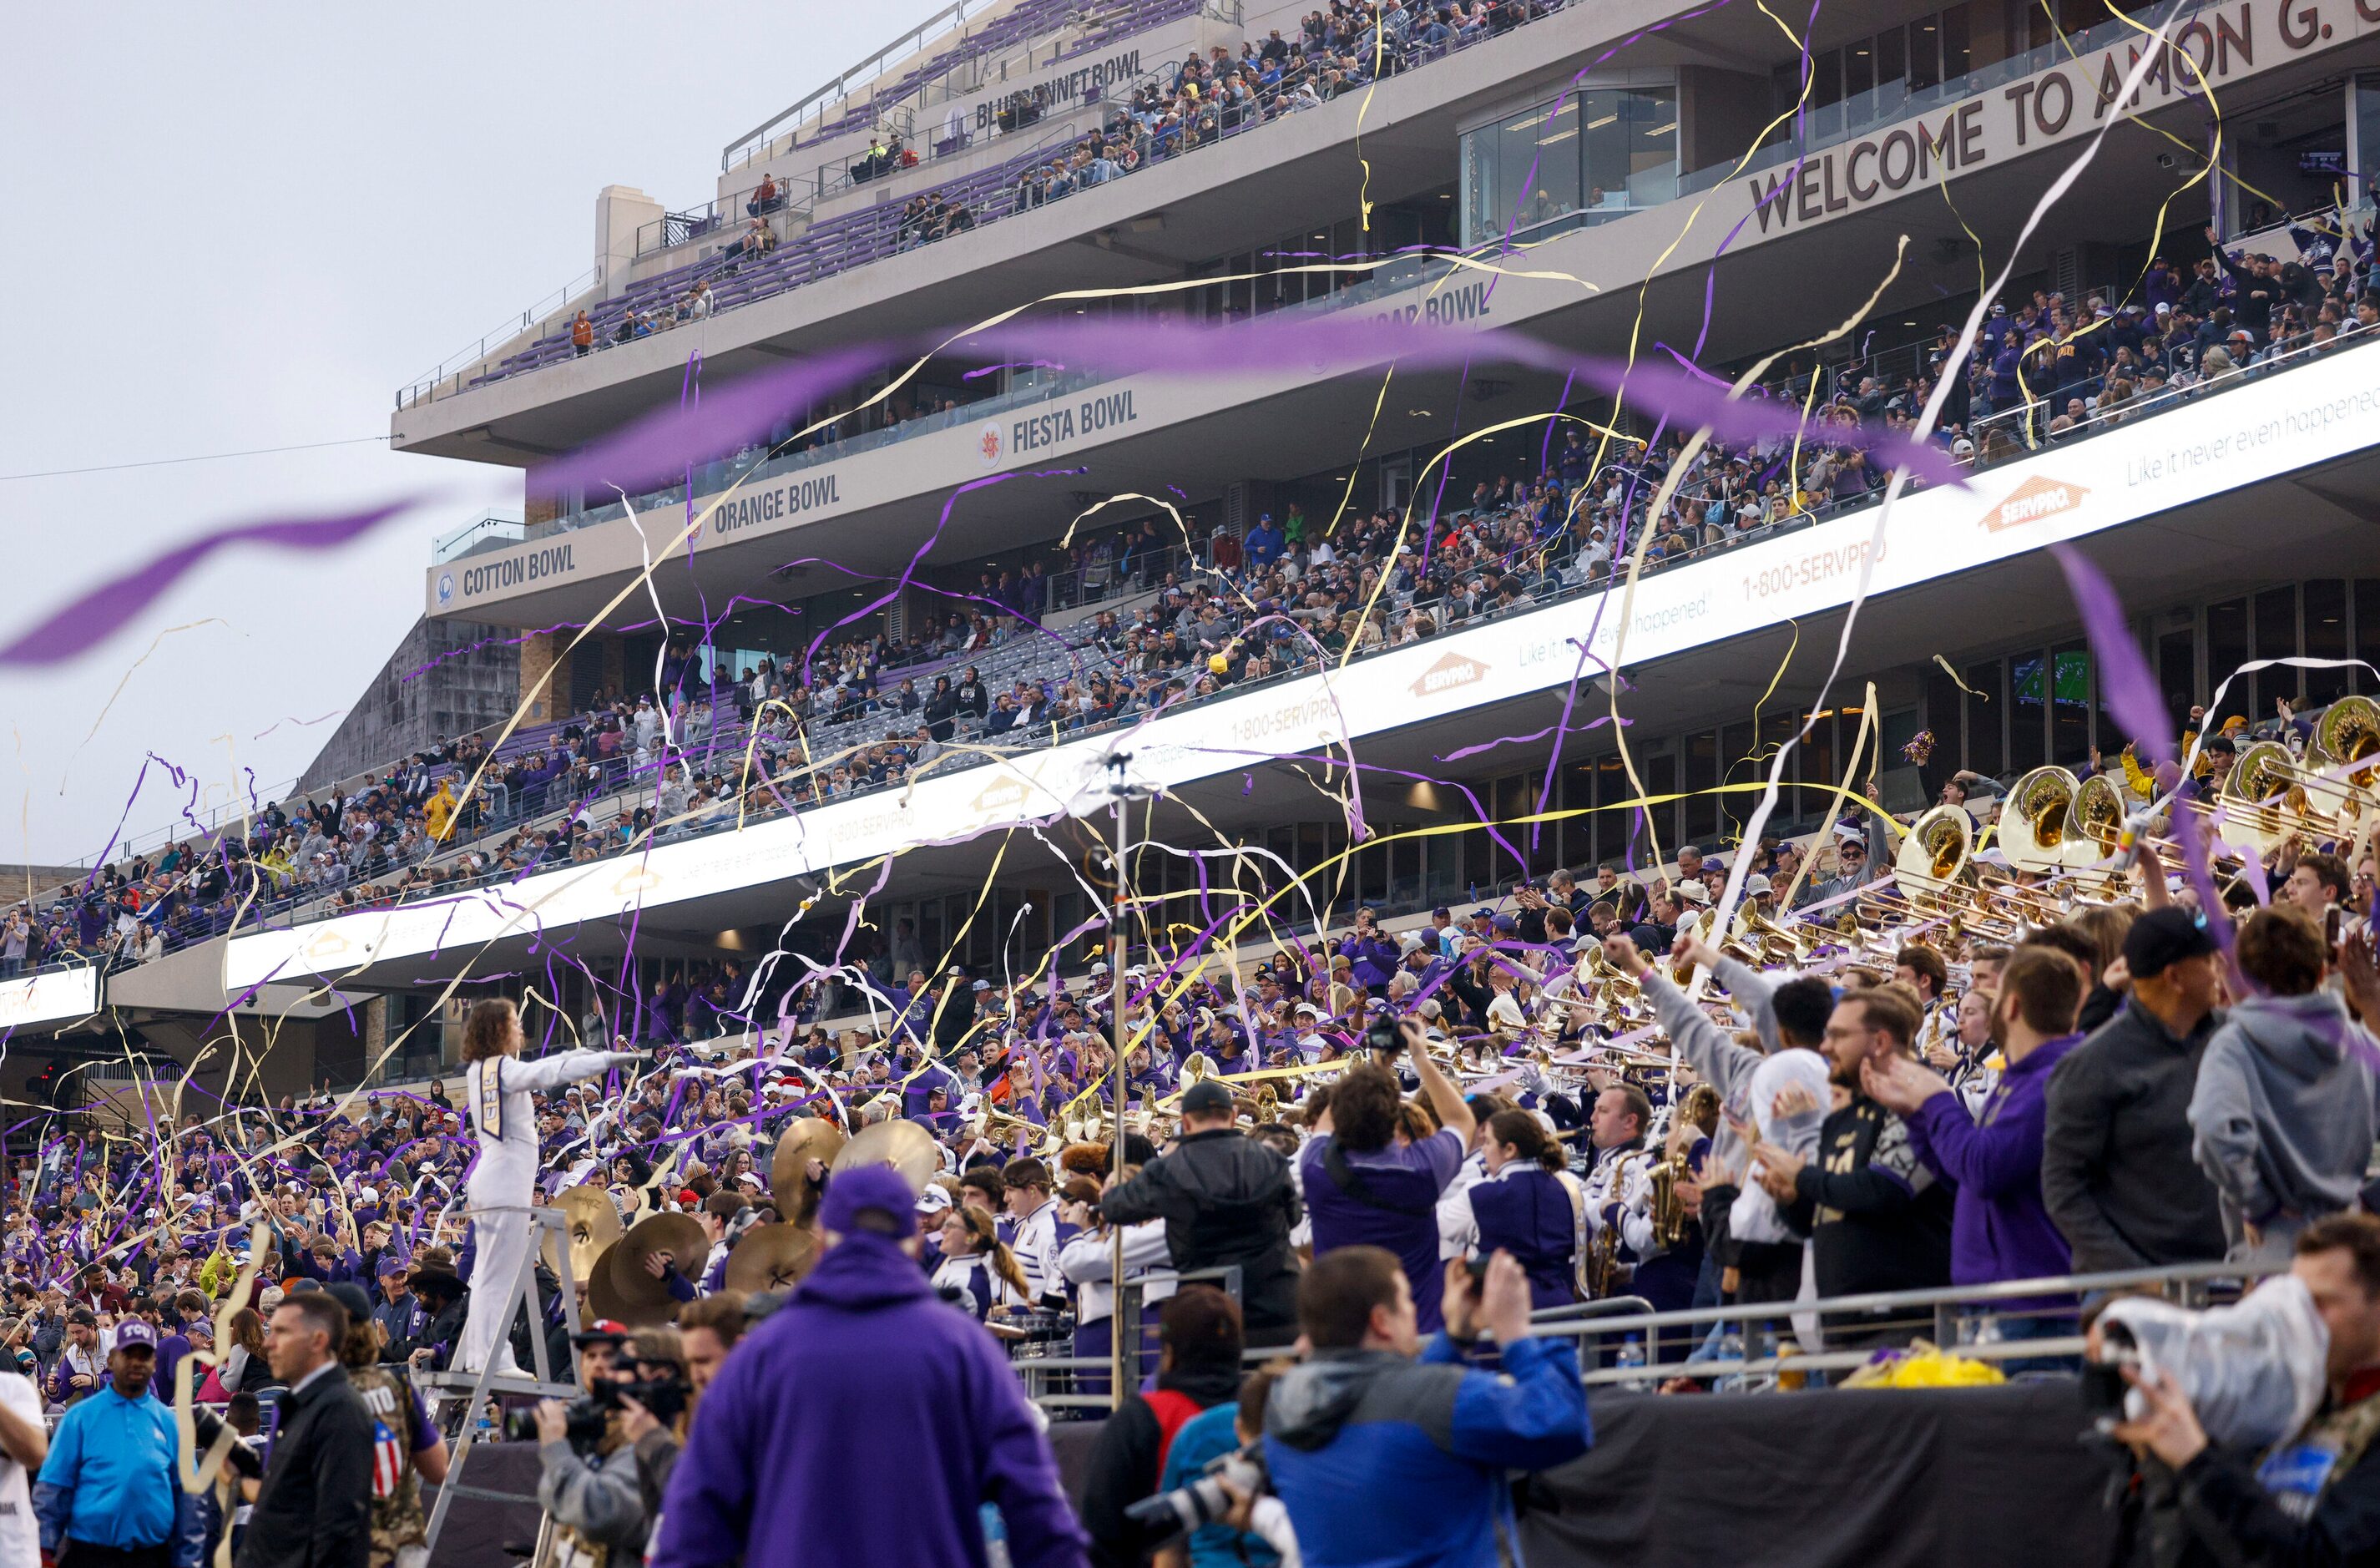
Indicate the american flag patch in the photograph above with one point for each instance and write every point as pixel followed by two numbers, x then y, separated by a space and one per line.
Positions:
pixel 388 1461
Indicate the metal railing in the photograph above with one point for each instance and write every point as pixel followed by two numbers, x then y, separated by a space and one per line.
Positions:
pixel 1942 1314
pixel 425 388
pixel 762 139
pixel 1957 1318
pixel 487 533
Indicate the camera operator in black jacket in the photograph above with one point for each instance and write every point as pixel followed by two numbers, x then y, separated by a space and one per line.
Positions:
pixel 2314 1496
pixel 1225 1200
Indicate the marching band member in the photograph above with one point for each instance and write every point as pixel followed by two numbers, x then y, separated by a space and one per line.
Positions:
pixel 501 1183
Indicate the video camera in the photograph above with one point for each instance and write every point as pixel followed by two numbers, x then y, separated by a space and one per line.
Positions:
pixel 586 1417
pixel 2254 1371
pixel 1205 1500
pixel 1384 1037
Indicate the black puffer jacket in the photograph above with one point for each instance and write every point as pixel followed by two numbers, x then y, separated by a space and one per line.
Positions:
pixel 1225 1198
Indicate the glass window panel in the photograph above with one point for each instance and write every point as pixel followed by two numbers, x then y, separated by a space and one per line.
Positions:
pixel 1820 764
pixel 2226 649
pixel 1984 752
pixel 1958 41
pixel 2178 676
pixel 1827 78
pixel 1924 54
pixel 2028 711
pixel 2069 705
pixel 1554 150
pixel 2276 638
pixel 2326 636
pixel 1479 194
pixel 1859 76
pixel 2367 631
pixel 1891 57
pixel 1661 778
pixel 1702 776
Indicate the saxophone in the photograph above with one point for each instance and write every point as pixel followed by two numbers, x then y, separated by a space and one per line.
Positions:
pixel 1670 1219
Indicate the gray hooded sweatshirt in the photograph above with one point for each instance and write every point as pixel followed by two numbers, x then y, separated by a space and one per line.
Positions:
pixel 2283 1118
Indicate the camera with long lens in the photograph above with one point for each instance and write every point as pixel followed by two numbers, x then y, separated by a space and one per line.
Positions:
pixel 583 1423
pixel 1383 1036
pixel 2254 1372
pixel 586 1417
pixel 1205 1500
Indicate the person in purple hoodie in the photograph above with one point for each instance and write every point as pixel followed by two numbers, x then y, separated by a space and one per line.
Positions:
pixel 867 1420
pixel 1374 956
pixel 2000 1228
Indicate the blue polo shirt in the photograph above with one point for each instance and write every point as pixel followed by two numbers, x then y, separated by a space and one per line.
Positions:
pixel 114 1457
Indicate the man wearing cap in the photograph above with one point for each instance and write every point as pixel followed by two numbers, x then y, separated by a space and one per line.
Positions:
pixel 2116 1167
pixel 1859 859
pixel 830 1437
pixel 593 1496
pixel 316 1506
pixel 107 1496
pixel 1226 1200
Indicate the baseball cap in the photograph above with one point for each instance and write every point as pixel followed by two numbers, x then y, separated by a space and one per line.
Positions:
pixel 134 1334
pixel 1504 923
pixel 602 1330
pixel 2163 938
pixel 1206 1098
pixel 349 1295
pixel 1758 883
pixel 868 1187
pixel 933 1200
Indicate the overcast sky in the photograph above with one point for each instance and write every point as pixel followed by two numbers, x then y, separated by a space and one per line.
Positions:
pixel 242 227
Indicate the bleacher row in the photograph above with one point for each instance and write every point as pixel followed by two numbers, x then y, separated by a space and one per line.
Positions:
pixel 825 248
pixel 852 239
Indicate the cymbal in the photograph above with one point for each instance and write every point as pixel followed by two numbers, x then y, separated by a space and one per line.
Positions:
pixel 602 1297
pixel 646 1301
pixel 807 1139
pixel 771 1258
pixel 904 1146
pixel 594 1225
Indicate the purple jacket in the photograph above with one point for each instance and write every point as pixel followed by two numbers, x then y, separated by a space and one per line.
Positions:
pixel 1373 961
pixel 2000 1228
pixel 866 1421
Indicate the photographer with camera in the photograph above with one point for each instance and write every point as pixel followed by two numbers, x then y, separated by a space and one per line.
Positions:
pixel 1226 1199
pixel 653 1410
pixel 2312 1497
pixel 1216 1466
pixel 1199 1340
pixel 588 1483
pixel 1388 1452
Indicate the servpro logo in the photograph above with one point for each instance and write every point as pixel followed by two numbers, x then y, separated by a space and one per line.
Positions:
pixel 1001 794
pixel 2029 503
pixel 1453 670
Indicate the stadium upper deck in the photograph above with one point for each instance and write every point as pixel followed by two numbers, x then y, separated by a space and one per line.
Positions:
pixel 1465 147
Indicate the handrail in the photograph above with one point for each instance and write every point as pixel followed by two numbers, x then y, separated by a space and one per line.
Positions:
pixel 954 13
pixel 1940 1296
pixel 1594 1318
pixel 463 359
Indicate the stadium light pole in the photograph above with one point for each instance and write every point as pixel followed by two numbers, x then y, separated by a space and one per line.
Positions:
pixel 1120 792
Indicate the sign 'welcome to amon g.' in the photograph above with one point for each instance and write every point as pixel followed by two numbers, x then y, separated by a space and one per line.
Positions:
pixel 2067 100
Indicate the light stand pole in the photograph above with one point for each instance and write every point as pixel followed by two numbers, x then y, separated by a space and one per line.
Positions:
pixel 1121 793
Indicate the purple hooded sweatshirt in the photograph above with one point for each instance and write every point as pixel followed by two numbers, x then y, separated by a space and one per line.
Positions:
pixel 865 1421
pixel 2000 1228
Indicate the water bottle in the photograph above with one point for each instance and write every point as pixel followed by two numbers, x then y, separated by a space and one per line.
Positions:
pixel 1632 1357
pixel 1731 1348
pixel 995 1536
